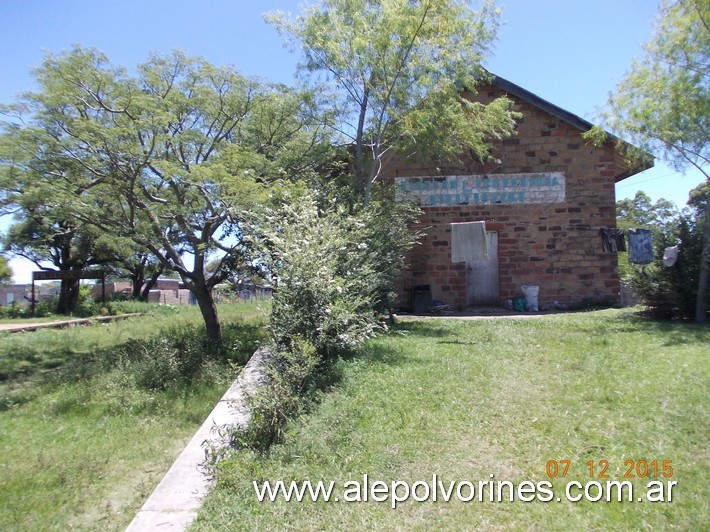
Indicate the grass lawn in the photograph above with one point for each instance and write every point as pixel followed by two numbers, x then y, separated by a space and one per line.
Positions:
pixel 44 350
pixel 469 399
pixel 87 428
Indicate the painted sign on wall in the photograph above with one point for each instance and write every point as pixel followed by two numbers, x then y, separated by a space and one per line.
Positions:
pixel 490 189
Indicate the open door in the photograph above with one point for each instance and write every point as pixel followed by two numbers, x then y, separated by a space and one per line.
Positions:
pixel 482 277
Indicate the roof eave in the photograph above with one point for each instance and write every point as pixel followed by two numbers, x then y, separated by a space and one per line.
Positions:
pixel 576 121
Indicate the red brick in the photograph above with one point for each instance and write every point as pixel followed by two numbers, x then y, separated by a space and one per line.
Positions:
pixel 555 245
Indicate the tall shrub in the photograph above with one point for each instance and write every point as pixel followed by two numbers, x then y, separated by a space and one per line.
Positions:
pixel 332 271
pixel 332 266
pixel 672 292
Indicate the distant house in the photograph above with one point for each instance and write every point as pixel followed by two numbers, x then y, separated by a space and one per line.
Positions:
pixel 21 294
pixel 13 293
pixel 249 291
pixel 118 287
pixel 165 291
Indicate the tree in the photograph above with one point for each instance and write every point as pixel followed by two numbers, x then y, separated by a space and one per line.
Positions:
pixel 5 270
pixel 37 191
pixel 663 104
pixel 399 68
pixel 46 230
pixel 68 248
pixel 139 266
pixel 670 290
pixel 327 267
pixel 170 158
pixel 641 212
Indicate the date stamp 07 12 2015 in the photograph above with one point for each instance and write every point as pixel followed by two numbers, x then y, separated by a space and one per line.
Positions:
pixel 600 468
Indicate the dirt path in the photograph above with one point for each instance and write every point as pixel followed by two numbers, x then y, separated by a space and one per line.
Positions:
pixel 489 313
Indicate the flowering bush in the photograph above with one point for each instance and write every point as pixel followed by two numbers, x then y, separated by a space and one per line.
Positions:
pixel 325 274
pixel 332 270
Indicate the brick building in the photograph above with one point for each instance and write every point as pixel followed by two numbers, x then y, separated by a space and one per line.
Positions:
pixel 543 208
pixel 165 291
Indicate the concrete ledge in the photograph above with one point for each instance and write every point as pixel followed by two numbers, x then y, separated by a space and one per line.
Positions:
pixel 65 324
pixel 174 503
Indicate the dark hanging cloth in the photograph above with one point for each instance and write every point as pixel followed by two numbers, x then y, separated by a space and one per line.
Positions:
pixel 640 246
pixel 613 240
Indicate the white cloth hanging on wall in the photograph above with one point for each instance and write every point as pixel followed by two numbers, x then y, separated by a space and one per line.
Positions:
pixel 468 242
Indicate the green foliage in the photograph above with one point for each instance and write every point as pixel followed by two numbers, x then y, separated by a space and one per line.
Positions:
pixel 663 104
pixel 9 311
pixel 397 69
pixel 323 289
pixel 668 292
pixel 5 270
pixel 660 217
pixel 291 375
pixel 333 271
pixel 640 212
pixel 671 292
pixel 168 158
pixel 46 235
pixel 138 265
pixel 329 271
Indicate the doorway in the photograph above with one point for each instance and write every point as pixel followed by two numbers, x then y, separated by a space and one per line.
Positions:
pixel 482 276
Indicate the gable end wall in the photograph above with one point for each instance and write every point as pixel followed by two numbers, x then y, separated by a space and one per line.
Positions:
pixel 553 245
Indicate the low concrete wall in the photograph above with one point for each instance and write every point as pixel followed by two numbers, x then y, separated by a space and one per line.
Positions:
pixel 65 324
pixel 174 504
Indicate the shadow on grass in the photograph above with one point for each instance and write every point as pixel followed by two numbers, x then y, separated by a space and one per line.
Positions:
pixel 463 342
pixel 378 350
pixel 429 329
pixel 678 332
pixel 169 359
pixel 378 353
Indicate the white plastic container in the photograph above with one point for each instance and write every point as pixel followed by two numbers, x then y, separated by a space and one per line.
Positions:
pixel 531 292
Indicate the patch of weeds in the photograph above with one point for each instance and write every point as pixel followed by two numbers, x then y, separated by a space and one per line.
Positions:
pixel 291 373
pixel 14 400
pixel 118 392
pixel 96 420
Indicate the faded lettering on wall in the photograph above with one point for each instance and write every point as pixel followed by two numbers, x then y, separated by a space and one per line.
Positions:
pixel 489 189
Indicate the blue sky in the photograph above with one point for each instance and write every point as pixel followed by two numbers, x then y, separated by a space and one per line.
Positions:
pixel 569 52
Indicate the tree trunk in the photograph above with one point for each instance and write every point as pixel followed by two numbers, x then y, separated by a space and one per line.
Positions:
pixel 150 283
pixel 360 185
pixel 203 295
pixel 68 296
pixel 704 277
pixel 137 285
pixel 373 172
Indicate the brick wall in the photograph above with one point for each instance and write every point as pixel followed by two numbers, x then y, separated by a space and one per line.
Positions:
pixel 170 297
pixel 554 245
